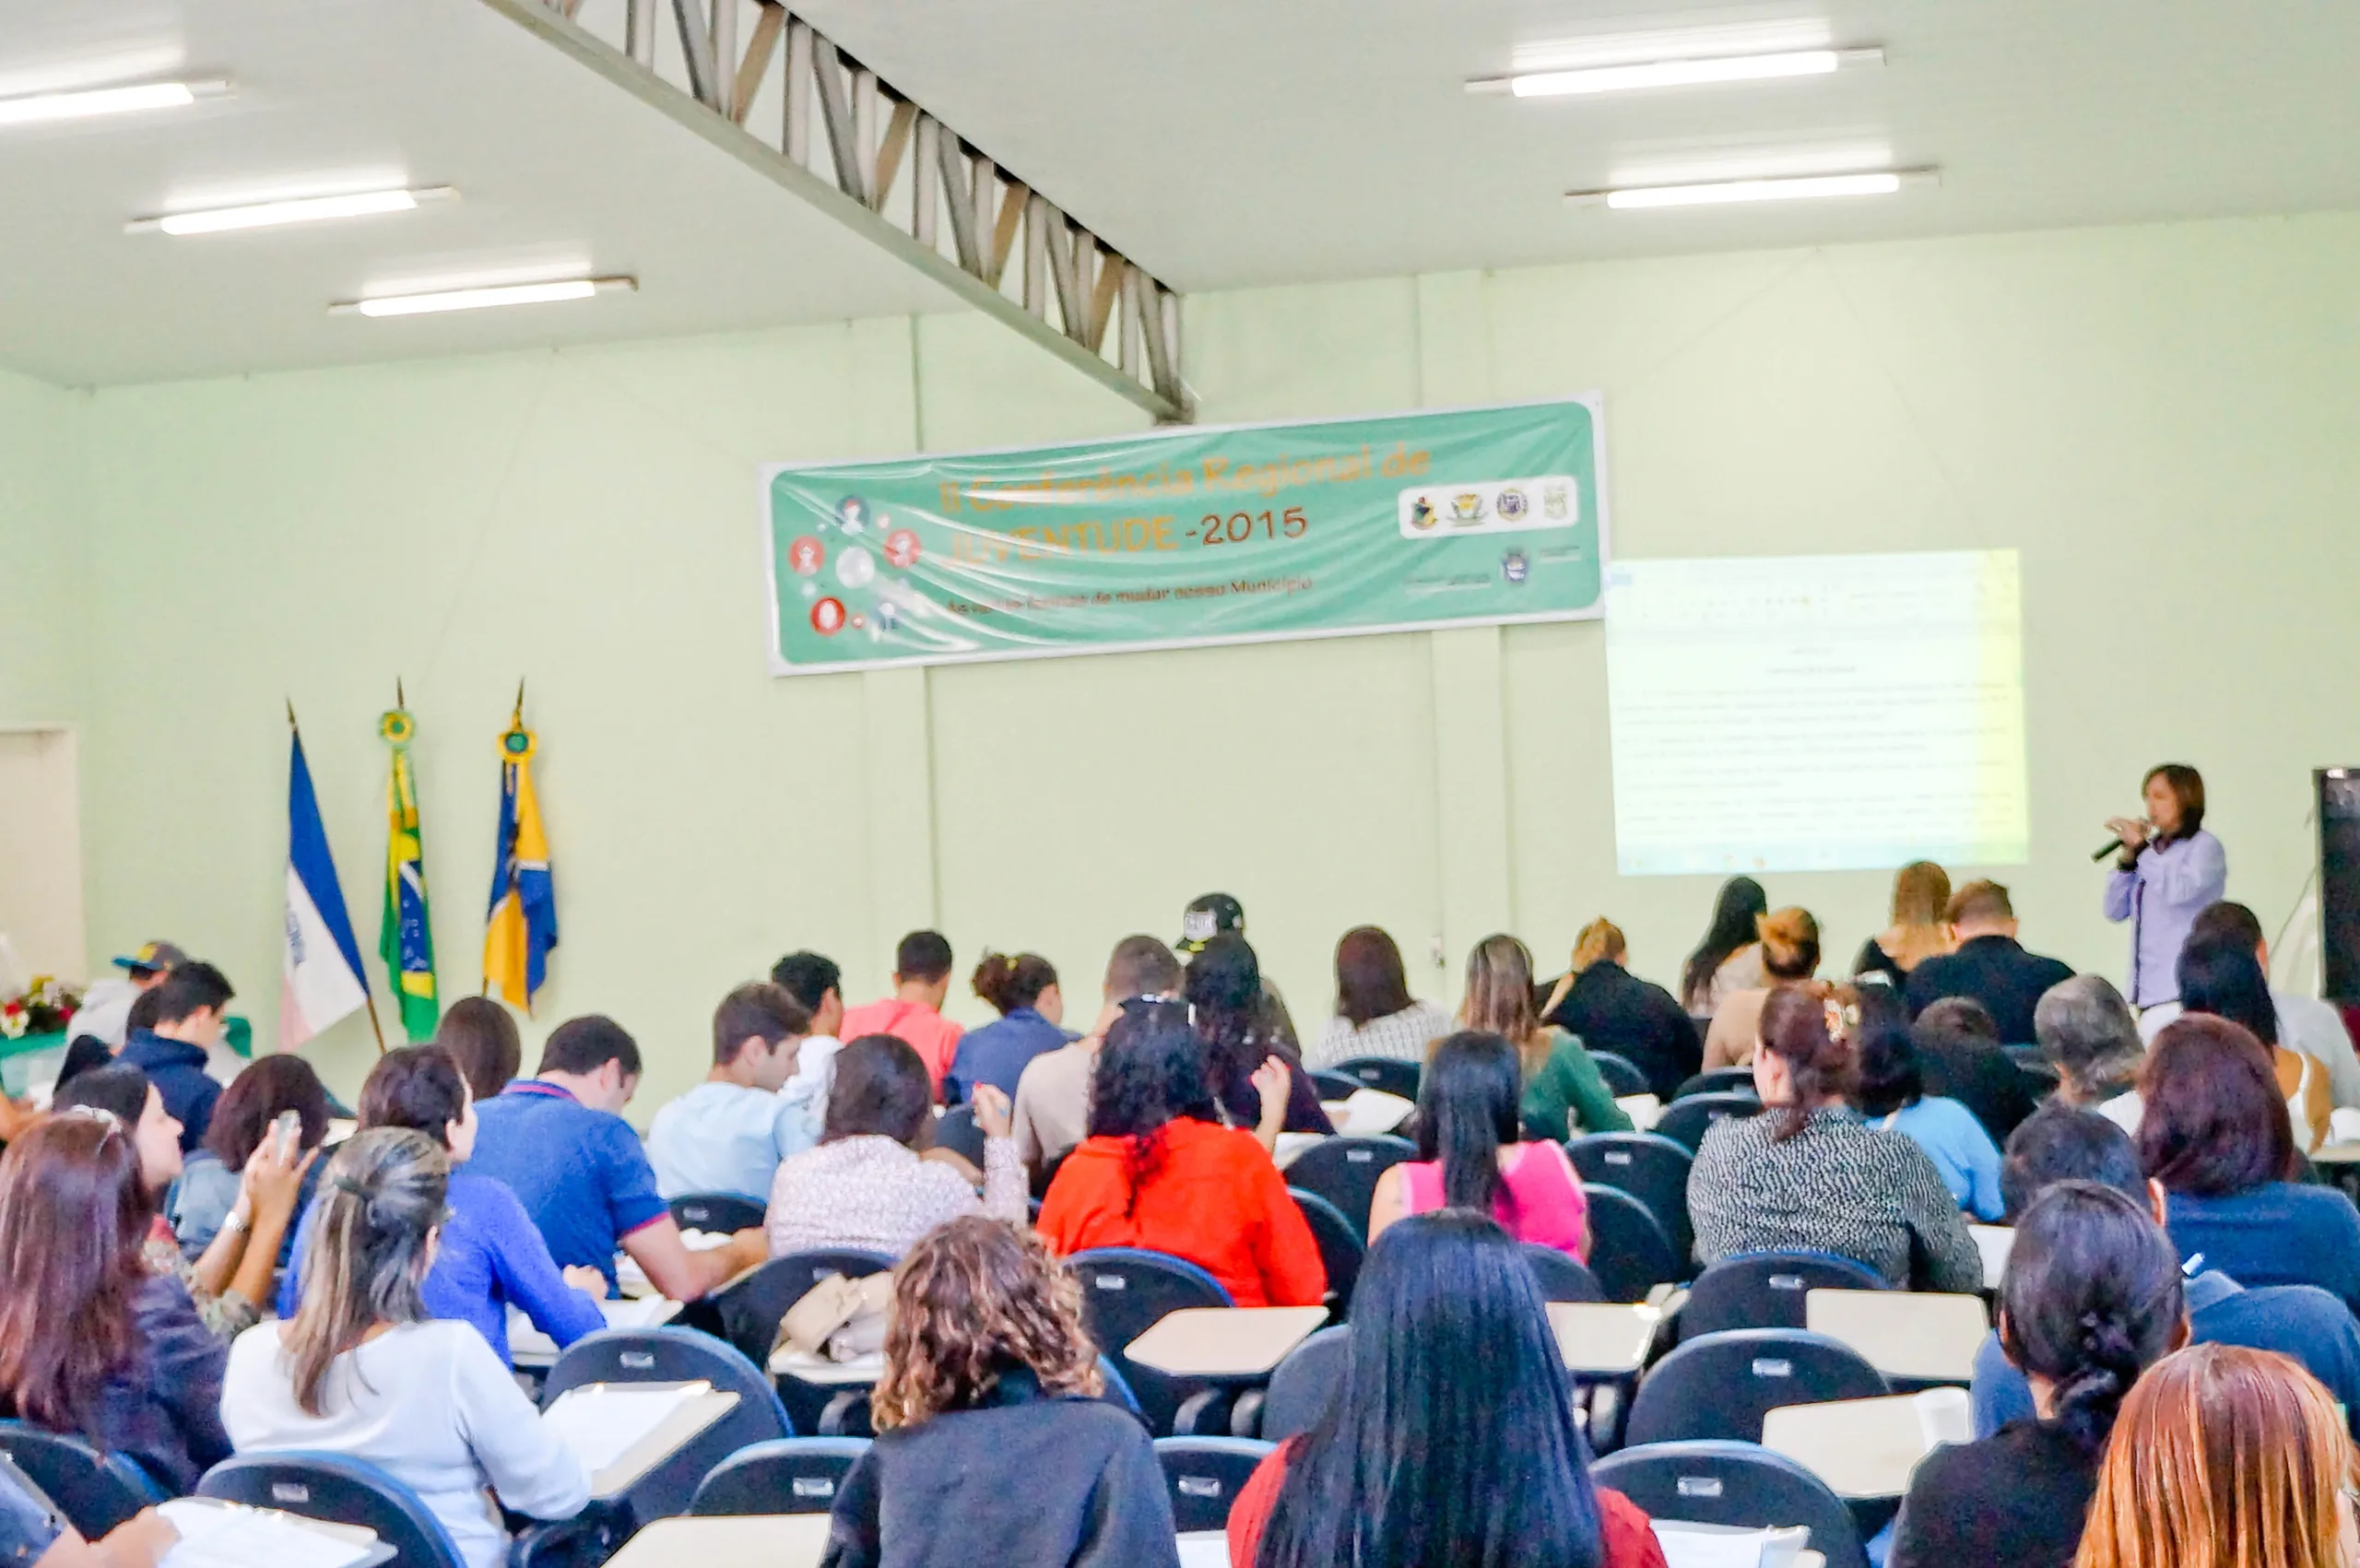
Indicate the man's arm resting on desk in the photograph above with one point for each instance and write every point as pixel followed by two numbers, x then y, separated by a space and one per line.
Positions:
pixel 683 1275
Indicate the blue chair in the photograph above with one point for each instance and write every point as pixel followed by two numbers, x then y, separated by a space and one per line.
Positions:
pixel 1125 1292
pixel 1344 1172
pixel 719 1212
pixel 340 1489
pixel 957 1131
pixel 1649 1167
pixel 1628 1251
pixel 95 1491
pixel 1686 1120
pixel 1562 1276
pixel 1738 1484
pixel 748 1314
pixel 1301 1384
pixel 1388 1074
pixel 1340 1248
pixel 1721 1385
pixel 1205 1475
pixel 1621 1074
pixel 787 1475
pixel 1720 1080
pixel 1768 1289
pixel 1331 1087
pixel 677 1355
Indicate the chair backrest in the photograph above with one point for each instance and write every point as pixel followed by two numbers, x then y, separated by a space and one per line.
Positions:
pixel 1048 1173
pixel 1340 1247
pixel 1563 1277
pixel 1621 1074
pixel 1301 1384
pixel 956 1130
pixel 1720 1385
pixel 1768 1289
pixel 1719 1080
pixel 787 1475
pixel 1388 1073
pixel 1331 1086
pixel 1685 1120
pixel 749 1311
pixel 1344 1172
pixel 340 1489
pixel 1205 1475
pixel 1734 1484
pixel 717 1213
pixel 677 1355
pixel 1648 1166
pixel 95 1491
pixel 1125 1292
pixel 1628 1251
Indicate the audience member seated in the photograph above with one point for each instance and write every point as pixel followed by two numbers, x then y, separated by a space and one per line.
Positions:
pixel 1242 1034
pixel 993 1444
pixel 32 1534
pixel 1375 1015
pixel 1729 958
pixel 364 1370
pixel 2224 982
pixel 558 1141
pixel 729 1133
pixel 105 1012
pixel 191 1006
pixel 817 984
pixel 1893 1097
pixel 1989 964
pixel 913 1012
pixel 1563 1092
pixel 1606 1008
pixel 212 1179
pixel 2060 1144
pixel 231 1279
pixel 92 1343
pixel 1452 1437
pixel 1052 1110
pixel 2224 1457
pixel 1921 928
pixel 1807 1175
pixel 2305 1023
pixel 1218 914
pixel 868 1183
pixel 487 1257
pixel 1789 947
pixel 1160 1170
pixel 2091 1037
pixel 1023 987
pixel 1470 1153
pixel 480 1034
pixel 2090 1298
pixel 2215 1133
pixel 1959 1050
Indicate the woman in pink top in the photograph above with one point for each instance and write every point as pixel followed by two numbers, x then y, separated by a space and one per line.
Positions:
pixel 1470 1153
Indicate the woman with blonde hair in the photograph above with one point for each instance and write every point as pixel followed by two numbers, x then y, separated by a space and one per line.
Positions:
pixel 1789 957
pixel 1563 1093
pixel 1603 1005
pixel 993 1444
pixel 1921 896
pixel 2224 1457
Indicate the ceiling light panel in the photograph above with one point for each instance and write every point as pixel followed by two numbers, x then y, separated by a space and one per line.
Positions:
pixel 1805 187
pixel 90 103
pixel 300 209
pixel 484 297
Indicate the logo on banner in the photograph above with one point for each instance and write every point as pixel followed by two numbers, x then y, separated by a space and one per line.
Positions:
pixel 1555 503
pixel 1421 514
pixel 1510 505
pixel 1515 566
pixel 1466 507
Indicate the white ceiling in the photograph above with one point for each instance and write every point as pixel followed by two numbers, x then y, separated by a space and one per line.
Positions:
pixel 1221 142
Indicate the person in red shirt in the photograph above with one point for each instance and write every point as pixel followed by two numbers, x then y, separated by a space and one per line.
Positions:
pixel 1159 1170
pixel 913 1012
pixel 1451 1438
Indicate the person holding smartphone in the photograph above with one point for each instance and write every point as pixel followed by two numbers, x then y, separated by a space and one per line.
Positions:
pixel 2167 871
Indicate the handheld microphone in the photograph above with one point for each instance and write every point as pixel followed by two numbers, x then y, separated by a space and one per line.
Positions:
pixel 2114 846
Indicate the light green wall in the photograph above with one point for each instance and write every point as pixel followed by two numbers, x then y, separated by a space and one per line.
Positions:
pixel 2159 418
pixel 42 625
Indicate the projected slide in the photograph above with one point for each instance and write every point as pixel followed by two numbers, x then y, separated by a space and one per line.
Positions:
pixel 1816 713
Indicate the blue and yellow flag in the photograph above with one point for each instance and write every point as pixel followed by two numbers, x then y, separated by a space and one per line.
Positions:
pixel 405 939
pixel 521 926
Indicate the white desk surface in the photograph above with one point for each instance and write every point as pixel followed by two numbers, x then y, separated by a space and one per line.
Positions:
pixel 528 1346
pixel 1645 1111
pixel 1224 1342
pixel 798 1540
pixel 804 1367
pixel 670 1435
pixel 1993 1241
pixel 2336 1154
pixel 1602 1339
pixel 1903 1333
pixel 1867 1448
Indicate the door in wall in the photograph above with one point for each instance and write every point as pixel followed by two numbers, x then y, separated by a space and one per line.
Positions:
pixel 40 854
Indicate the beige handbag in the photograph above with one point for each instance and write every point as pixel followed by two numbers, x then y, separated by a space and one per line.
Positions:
pixel 841 1319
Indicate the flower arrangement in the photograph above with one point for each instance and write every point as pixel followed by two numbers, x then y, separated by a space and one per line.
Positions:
pixel 46 1008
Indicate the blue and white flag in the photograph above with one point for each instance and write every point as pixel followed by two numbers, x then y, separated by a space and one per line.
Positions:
pixel 323 972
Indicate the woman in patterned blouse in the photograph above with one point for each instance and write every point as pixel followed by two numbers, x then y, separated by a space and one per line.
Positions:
pixel 1808 1174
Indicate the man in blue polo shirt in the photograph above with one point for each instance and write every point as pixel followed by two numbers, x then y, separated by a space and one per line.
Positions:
pixel 559 1142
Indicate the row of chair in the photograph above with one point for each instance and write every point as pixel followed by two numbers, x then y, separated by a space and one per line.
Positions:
pixel 1622 1075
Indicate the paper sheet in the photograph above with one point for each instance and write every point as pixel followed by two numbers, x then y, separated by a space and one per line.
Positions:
pixel 1204 1549
pixel 213 1536
pixel 603 1422
pixel 1728 1546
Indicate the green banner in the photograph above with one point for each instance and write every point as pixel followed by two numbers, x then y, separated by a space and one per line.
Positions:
pixel 1189 537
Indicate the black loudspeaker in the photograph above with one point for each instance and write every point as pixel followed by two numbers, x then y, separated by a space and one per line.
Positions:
pixel 2339 819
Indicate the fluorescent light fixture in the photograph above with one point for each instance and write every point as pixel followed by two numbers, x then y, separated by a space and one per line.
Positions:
pixel 1712 42
pixel 42 108
pixel 1802 187
pixel 483 298
pixel 1637 76
pixel 304 210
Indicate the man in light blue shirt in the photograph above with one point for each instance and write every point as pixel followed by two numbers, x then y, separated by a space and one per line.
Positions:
pixel 729 1134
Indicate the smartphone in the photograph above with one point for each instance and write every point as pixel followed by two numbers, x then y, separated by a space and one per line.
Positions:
pixel 288 1130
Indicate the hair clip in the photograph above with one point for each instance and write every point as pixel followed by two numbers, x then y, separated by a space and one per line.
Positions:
pixel 100 1113
pixel 1842 1018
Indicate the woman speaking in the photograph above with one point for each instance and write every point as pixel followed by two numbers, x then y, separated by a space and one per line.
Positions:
pixel 2167 869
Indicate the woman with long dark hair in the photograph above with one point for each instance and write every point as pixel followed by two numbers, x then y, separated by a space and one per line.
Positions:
pixel 1160 1170
pixel 1472 1152
pixel 1451 1441
pixel 2168 870
pixel 1242 1032
pixel 1375 1015
pixel 2225 980
pixel 2092 1298
pixel 1726 960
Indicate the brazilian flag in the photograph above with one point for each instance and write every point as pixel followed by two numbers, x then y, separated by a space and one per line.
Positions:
pixel 405 941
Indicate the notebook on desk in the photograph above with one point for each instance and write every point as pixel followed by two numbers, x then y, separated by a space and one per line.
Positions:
pixel 215 1534
pixel 1733 1546
pixel 528 1346
pixel 621 1431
